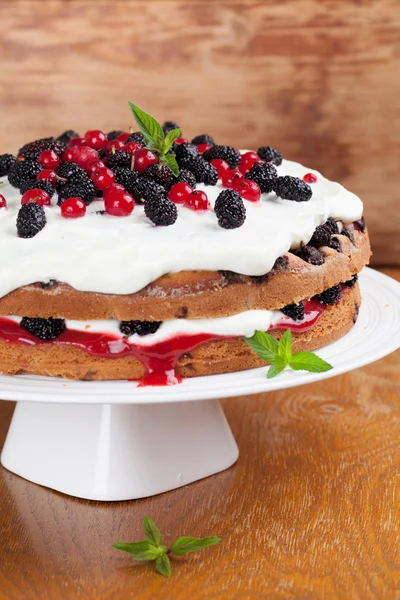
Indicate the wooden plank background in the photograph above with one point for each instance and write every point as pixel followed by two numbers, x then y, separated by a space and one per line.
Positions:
pixel 319 79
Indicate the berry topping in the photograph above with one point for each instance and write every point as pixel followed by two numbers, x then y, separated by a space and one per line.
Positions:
pixel 123 137
pixel 198 200
pixel 335 244
pixel 180 192
pixel 46 176
pixel 82 156
pixel 351 282
pixel 221 166
pixel 102 178
pixel 36 195
pixel 360 224
pixel 38 184
pixel 310 178
pixel 119 158
pixel 292 188
pixel 127 178
pixel 96 139
pixel 227 153
pixel 7 161
pixel 331 295
pixel 44 329
pixel 331 225
pixel 186 176
pixel 160 174
pixel 247 161
pixel 203 139
pixel 270 155
pixel 204 172
pixel 169 126
pixel 139 327
pixel 185 152
pixel 73 208
pixel 249 190
pixel 118 203
pixel 93 166
pixel 3 202
pixel 311 255
pixel 160 210
pixel 77 142
pixel 320 237
pixel 264 175
pixel 67 136
pixel 71 171
pixel 146 189
pixel 294 311
pixel 112 135
pixel 23 170
pixel 132 147
pixel 203 147
pixel 114 146
pixel 230 210
pixel 83 189
pixel 232 178
pixel 114 187
pixel 136 136
pixel 49 159
pixel 30 220
pixel 32 150
pixel 181 140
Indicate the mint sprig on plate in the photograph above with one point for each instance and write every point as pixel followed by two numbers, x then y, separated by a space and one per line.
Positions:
pixel 156 139
pixel 279 354
pixel 152 548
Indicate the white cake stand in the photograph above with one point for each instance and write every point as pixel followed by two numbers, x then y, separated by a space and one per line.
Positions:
pixel 117 441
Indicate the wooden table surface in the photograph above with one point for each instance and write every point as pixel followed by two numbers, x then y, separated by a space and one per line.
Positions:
pixel 310 510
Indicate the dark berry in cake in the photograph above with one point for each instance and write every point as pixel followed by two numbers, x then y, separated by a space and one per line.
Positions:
pixel 292 188
pixel 120 158
pixel 44 329
pixel 270 155
pixel 335 244
pixel 30 220
pixel 169 126
pixel 160 174
pixel 160 210
pixel 112 135
pixel 311 255
pixel 186 176
pixel 146 189
pixel 47 285
pixel 226 153
pixel 139 327
pixel 230 210
pixel 67 136
pixel 331 295
pixel 351 282
pixel 138 137
pixel 360 224
pixel 295 311
pixel 127 178
pixel 23 170
pixel 37 184
pixel 203 139
pixel 320 237
pixel 264 175
pixel 83 189
pixel 331 225
pixel 7 161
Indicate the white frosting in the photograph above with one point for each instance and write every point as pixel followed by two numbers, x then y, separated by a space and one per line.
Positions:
pixel 241 324
pixel 121 255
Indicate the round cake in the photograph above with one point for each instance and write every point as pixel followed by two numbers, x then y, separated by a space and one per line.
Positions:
pixel 127 256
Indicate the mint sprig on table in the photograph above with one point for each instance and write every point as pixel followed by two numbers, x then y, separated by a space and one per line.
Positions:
pixel 156 139
pixel 152 547
pixel 279 354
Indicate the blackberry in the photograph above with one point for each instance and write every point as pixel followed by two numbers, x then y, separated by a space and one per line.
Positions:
pixel 112 135
pixel 146 189
pixel 230 209
pixel 44 329
pixel 351 282
pixel 348 232
pixel 30 220
pixel 281 263
pixel 186 152
pixel 169 126
pixel 292 188
pixel 160 210
pixel 335 244
pixel 67 136
pixel 331 295
pixel 361 224
pixel 83 189
pixel 137 137
pixel 320 237
pixel 38 184
pixel 120 158
pixel 186 176
pixel 203 171
pixel 331 225
pixel 23 170
pixel 161 174
pixel 34 149
pixel 311 255
pixel 294 311
pixel 270 155
pixel 140 327
pixel 227 153
pixel 71 171
pixel 126 177
pixel 264 175
pixel 7 161
pixel 203 139
pixel 47 285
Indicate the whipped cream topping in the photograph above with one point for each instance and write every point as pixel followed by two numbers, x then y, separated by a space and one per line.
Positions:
pixel 122 255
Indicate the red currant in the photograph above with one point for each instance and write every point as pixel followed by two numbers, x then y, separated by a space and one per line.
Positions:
pixel 77 142
pixel 181 141
pixel 123 137
pixel 132 147
pixel 198 200
pixel 118 203
pixel 310 178
pixel 247 161
pixel 73 208
pixel 102 178
pixel 47 175
pixel 3 202
pixel 114 146
pixel 232 178
pixel 143 159
pixel 249 190
pixel 180 192
pixel 113 188
pixel 36 195
pixel 93 166
pixel 96 139
pixel 49 159
pixel 221 166
pixel 81 156
pixel 203 147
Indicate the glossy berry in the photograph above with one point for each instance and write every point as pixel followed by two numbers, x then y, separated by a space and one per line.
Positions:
pixel 67 136
pixel 76 142
pixel 161 174
pixel 230 210
pixel 221 166
pixel 93 166
pixel 102 178
pixel 47 175
pixel 203 147
pixel 96 139
pixel 232 178
pixel 143 158
pixel 82 156
pixel 112 135
pixel 119 158
pixel 203 139
pixel 30 220
pixel 123 136
pixel 264 175
pixel 139 327
pixel 198 200
pixel 227 153
pixel 73 208
pixel 160 210
pixel 295 311
pixel 249 190
pixel 36 195
pixel 38 184
pixel 49 160
pixel 247 161
pixel 180 192
pixel 83 189
pixel 3 202
pixel 181 140
pixel 292 188
pixel 132 147
pixel 118 203
pixel 112 189
pixel 126 178
pixel 331 295
pixel 270 155
pixel 23 170
pixel 44 329
pixel 310 178
pixel 137 137
pixel 186 176
pixel 113 146
pixel 6 163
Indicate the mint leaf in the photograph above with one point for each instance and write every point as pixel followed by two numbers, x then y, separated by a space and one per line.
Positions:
pixel 163 565
pixel 308 361
pixel 151 129
pixel 184 545
pixel 170 161
pixel 277 367
pixel 151 554
pixel 264 345
pixel 285 346
pixel 131 547
pixel 171 136
pixel 151 531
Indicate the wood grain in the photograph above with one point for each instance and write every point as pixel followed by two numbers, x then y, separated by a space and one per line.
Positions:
pixel 318 79
pixel 310 510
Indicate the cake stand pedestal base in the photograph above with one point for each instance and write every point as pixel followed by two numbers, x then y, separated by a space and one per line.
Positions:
pixel 118 452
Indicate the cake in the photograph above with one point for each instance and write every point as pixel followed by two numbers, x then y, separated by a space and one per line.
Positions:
pixel 121 259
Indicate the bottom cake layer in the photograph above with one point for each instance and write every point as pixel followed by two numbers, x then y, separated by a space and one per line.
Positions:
pixel 208 356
